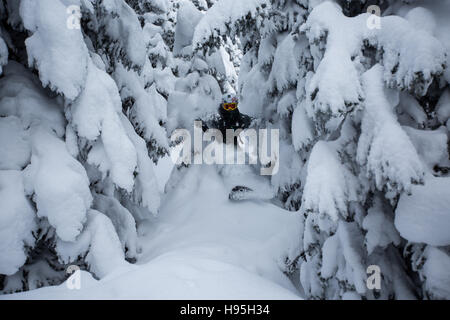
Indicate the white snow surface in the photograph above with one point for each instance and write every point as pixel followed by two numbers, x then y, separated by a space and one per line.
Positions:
pixel 201 246
pixel 424 216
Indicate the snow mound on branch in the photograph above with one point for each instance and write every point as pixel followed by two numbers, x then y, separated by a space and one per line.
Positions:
pixel 328 90
pixel 253 102
pixel 422 19
pixel 424 216
pixel 436 270
pixel 148 110
pixel 123 26
pixel 188 17
pixel 99 239
pixel 411 56
pixel 220 17
pixel 15 149
pixel 410 107
pixel 96 114
pixel 23 97
pixel 291 165
pixel 329 186
pixel 431 17
pixel 431 145
pixel 287 104
pixel 146 192
pixel 384 148
pixel 351 248
pixel 58 183
pixel 17 222
pixel 340 258
pixel 122 220
pixel 220 61
pixel 302 131
pixel 58 52
pixel 285 71
pixel 380 228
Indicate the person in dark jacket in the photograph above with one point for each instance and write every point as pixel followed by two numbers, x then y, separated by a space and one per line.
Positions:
pixel 228 116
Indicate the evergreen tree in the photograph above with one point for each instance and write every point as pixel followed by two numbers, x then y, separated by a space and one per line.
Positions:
pixel 87 131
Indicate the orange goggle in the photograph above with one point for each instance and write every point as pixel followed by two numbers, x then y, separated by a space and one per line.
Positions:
pixel 230 106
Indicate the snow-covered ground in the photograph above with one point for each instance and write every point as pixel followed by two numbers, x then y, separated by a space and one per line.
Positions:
pixel 201 246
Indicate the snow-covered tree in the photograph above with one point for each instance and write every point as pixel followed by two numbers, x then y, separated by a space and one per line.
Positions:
pixel 81 138
pixel 197 93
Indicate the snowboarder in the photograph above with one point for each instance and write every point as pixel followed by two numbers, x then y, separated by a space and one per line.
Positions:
pixel 228 116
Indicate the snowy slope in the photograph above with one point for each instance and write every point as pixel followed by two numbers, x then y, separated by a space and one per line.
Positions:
pixel 202 246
